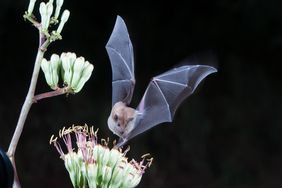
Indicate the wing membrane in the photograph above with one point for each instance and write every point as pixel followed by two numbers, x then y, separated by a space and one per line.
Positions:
pixel 120 51
pixel 165 93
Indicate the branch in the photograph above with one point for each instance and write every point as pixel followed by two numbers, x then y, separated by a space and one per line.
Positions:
pixel 59 91
pixel 43 44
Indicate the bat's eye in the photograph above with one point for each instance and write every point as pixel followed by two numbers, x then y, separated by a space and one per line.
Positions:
pixel 115 117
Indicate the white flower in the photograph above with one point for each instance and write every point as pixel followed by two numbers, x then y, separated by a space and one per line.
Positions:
pixel 94 165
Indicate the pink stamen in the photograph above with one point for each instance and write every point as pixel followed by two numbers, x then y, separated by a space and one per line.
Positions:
pixel 59 149
pixel 67 141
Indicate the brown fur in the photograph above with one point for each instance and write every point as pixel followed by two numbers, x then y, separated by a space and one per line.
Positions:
pixel 124 113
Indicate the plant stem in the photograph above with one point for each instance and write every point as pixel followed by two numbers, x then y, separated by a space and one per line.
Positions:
pixel 32 20
pixel 43 44
pixel 59 91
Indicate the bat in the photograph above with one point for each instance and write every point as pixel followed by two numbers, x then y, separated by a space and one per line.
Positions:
pixel 162 97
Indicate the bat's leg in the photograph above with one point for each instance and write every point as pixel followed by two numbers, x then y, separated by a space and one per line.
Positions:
pixel 121 142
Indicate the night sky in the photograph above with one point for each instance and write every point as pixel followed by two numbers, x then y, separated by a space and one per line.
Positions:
pixel 228 134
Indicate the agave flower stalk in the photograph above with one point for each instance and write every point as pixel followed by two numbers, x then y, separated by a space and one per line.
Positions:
pixel 95 165
pixel 45 39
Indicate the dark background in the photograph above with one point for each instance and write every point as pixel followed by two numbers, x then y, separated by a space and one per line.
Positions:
pixel 228 134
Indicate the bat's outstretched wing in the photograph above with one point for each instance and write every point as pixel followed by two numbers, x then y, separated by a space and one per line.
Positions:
pixel 120 52
pixel 165 93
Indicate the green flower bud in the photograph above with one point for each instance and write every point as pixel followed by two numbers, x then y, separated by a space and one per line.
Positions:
pixel 49 6
pixel 64 19
pixel 65 16
pixel 31 6
pixel 51 70
pixel 55 65
pixel 43 13
pixel 77 71
pixel 88 68
pixel 59 4
pixel 42 9
pixel 68 60
pixel 45 66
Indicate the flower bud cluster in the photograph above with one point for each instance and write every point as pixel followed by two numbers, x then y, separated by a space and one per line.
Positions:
pixel 95 165
pixel 75 71
pixel 46 11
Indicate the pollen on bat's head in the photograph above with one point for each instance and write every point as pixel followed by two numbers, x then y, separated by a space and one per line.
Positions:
pixel 94 164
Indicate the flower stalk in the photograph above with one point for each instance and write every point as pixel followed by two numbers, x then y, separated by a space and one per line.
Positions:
pixel 26 106
pixel 45 39
pixel 57 92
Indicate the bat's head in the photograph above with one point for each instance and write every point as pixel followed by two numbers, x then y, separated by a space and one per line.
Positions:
pixel 122 119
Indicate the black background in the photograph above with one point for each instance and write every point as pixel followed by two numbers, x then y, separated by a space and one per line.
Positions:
pixel 228 134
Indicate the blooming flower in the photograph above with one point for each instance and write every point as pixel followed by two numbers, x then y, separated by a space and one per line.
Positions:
pixel 94 165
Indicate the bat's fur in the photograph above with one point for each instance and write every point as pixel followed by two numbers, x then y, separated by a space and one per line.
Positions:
pixel 122 119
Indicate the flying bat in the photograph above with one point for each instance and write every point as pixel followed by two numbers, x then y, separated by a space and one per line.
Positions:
pixel 162 97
